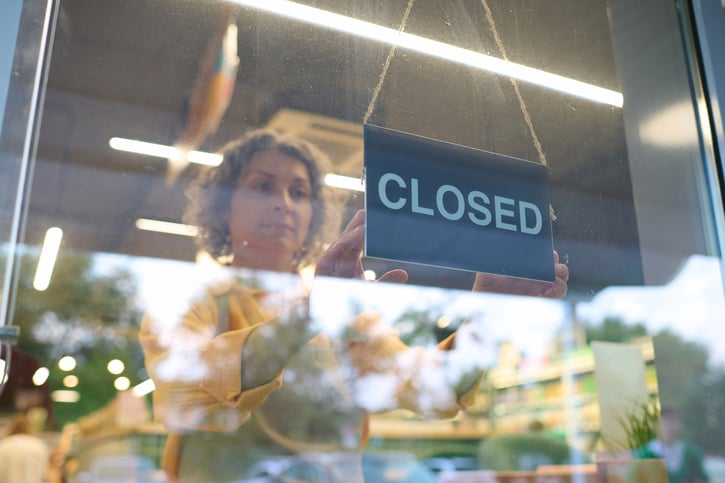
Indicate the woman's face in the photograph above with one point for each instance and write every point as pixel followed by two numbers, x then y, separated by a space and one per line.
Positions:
pixel 270 212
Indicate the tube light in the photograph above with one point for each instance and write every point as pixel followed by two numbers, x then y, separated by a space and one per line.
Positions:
pixel 171 228
pixel 344 182
pixel 65 396
pixel 163 151
pixel 48 255
pixel 143 388
pixel 334 21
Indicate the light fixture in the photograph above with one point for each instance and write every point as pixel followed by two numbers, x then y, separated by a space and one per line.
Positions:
pixel 143 388
pixel 115 366
pixel 163 151
pixel 40 376
pixel 169 227
pixel 344 182
pixel 67 363
pixel 334 21
pixel 70 380
pixel 48 255
pixel 65 396
pixel 121 383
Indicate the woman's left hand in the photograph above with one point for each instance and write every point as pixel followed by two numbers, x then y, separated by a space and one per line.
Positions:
pixel 343 257
pixel 486 282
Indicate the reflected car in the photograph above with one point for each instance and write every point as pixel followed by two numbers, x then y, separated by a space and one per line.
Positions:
pixel 451 463
pixel 388 467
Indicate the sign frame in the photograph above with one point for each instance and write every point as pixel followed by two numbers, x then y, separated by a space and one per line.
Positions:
pixel 420 191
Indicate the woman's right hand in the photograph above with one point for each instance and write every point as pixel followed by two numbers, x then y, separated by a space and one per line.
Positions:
pixel 343 257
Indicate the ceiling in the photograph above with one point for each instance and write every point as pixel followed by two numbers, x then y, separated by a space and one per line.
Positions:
pixel 127 69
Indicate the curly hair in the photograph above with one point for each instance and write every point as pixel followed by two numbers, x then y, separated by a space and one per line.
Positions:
pixel 211 193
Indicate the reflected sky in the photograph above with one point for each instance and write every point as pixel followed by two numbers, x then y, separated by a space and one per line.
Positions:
pixel 691 305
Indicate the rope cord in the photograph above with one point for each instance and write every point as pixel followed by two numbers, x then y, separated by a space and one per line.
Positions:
pixel 517 91
pixel 389 58
pixel 515 84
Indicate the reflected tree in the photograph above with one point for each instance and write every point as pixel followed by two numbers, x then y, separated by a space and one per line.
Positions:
pixel 425 326
pixel 685 380
pixel 613 329
pixel 704 414
pixel 85 314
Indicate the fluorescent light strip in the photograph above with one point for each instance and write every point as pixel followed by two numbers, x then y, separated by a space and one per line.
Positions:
pixel 208 159
pixel 159 226
pixel 48 255
pixel 344 182
pixel 162 151
pixel 143 388
pixel 65 396
pixel 434 48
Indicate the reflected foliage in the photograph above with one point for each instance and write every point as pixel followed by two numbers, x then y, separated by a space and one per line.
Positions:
pixel 614 330
pixel 89 315
pixel 425 326
pixel 685 380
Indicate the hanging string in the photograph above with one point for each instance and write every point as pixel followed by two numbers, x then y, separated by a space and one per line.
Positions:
pixel 517 91
pixel 514 82
pixel 384 72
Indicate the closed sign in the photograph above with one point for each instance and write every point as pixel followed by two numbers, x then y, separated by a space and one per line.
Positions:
pixel 446 205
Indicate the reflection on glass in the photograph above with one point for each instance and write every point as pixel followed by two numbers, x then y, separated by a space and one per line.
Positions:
pixel 229 361
pixel 123 77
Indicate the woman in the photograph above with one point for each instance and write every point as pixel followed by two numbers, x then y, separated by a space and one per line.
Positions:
pixel 242 377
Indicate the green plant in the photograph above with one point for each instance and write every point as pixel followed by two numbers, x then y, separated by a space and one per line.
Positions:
pixel 640 426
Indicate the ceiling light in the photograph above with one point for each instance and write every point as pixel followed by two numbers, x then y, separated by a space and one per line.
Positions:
pixel 40 376
pixel 70 380
pixel 115 366
pixel 122 383
pixel 67 363
pixel 434 48
pixel 163 151
pixel 171 228
pixel 65 396
pixel 143 388
pixel 345 182
pixel 48 255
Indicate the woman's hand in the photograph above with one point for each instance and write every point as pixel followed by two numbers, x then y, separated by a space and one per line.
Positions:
pixel 343 258
pixel 486 282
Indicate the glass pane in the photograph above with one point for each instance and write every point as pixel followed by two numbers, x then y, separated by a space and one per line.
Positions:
pixel 205 318
pixel 23 38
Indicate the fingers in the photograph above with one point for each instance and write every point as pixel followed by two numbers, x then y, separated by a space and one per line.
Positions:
pixel 556 290
pixel 560 286
pixel 352 237
pixel 342 258
pixel 562 272
pixel 394 276
pixel 486 282
pixel 358 219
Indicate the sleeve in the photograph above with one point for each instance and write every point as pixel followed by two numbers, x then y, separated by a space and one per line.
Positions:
pixel 197 372
pixel 392 375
